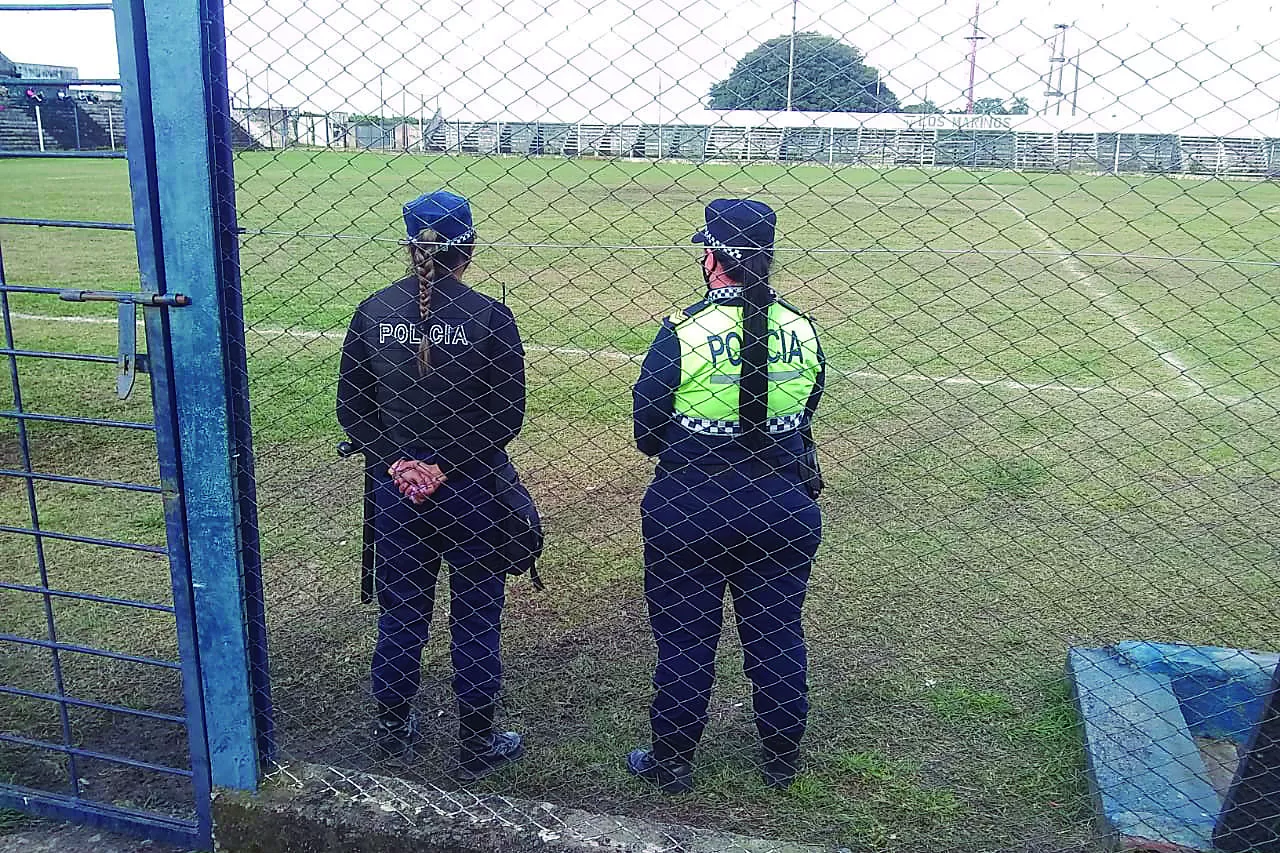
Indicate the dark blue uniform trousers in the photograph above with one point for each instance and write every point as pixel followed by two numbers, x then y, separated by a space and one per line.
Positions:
pixel 757 534
pixel 457 524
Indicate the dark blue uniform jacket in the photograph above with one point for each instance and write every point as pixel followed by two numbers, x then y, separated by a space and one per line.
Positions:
pixel 468 407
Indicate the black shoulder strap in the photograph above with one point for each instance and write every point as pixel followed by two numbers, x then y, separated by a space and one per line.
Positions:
pixel 487 322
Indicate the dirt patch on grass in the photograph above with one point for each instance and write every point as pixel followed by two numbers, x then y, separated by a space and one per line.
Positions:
pixel 10 453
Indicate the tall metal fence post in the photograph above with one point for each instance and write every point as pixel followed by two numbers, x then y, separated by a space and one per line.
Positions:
pixel 190 170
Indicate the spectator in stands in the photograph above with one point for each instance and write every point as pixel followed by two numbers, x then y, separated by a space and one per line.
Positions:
pixel 33 95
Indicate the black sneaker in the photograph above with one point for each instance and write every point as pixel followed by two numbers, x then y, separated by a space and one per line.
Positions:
pixel 675 777
pixel 780 771
pixel 504 748
pixel 396 740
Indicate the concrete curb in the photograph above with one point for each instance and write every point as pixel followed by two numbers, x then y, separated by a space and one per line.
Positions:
pixel 310 808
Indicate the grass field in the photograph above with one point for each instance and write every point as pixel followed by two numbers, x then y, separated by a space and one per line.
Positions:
pixel 1052 419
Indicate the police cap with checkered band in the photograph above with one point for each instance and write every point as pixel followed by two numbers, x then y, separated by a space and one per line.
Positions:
pixel 737 225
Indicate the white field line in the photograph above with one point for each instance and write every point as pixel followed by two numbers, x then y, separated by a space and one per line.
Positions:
pixel 1106 298
pixel 616 355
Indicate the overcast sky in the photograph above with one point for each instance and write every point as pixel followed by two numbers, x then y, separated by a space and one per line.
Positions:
pixel 1170 63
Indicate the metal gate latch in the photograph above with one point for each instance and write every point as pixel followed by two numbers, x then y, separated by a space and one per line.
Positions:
pixel 129 362
pixel 127 349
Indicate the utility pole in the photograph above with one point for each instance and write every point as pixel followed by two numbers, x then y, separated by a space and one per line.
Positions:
pixel 973 53
pixel 1058 65
pixel 1075 91
pixel 660 85
pixel 791 60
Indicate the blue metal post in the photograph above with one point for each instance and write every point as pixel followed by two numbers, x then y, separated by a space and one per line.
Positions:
pixel 238 380
pixel 187 237
pixel 135 74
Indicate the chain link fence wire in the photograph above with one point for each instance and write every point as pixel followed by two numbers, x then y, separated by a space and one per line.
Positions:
pixel 1048 303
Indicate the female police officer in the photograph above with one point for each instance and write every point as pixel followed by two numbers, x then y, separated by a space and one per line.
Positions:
pixel 432 390
pixel 724 400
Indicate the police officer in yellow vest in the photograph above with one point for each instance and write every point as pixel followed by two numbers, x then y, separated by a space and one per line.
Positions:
pixel 724 401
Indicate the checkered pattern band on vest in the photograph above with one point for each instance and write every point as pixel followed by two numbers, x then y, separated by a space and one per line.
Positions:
pixel 706 426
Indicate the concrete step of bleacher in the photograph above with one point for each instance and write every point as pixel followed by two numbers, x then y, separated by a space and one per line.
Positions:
pixel 18 128
pixel 71 129
pixel 64 124
pixel 109 117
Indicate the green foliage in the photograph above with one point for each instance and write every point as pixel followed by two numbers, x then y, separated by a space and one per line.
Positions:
pixel 1016 106
pixel 830 76
pixel 387 120
pixel 925 106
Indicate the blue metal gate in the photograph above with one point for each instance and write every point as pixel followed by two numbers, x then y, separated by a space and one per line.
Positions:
pixel 106 718
pixel 173 746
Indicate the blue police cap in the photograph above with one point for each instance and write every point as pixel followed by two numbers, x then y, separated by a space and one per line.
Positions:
pixel 737 224
pixel 446 213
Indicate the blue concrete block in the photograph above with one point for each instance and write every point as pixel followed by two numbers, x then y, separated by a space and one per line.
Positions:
pixel 1250 819
pixel 1149 783
pixel 1221 691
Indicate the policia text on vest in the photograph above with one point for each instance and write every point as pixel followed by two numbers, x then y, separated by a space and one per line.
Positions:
pixel 729 345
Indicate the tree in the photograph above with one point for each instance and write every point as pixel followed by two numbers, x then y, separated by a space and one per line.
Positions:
pixel 829 76
pixel 1016 106
pixel 925 106
pixel 988 106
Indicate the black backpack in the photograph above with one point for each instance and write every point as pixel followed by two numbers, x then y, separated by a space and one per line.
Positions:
pixel 521 526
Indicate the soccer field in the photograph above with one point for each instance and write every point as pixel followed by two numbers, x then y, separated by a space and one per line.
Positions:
pixel 1051 419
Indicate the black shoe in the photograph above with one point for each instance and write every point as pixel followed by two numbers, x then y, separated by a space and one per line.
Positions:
pixel 780 771
pixel 674 777
pixel 504 748
pixel 397 738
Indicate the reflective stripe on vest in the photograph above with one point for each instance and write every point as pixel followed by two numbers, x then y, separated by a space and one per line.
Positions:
pixel 786 423
pixel 711 368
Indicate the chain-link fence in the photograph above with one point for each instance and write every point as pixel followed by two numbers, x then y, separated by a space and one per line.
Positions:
pixel 1050 406
pixel 1047 301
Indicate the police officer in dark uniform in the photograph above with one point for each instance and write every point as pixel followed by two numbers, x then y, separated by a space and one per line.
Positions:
pixel 724 401
pixel 432 390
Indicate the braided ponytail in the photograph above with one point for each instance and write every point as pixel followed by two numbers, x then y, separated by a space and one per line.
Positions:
pixel 431 256
pixel 423 249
